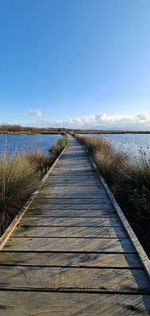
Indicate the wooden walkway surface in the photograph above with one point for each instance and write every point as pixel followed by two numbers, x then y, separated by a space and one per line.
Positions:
pixel 70 253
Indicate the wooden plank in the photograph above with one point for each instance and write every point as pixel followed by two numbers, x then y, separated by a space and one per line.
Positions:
pixel 73 180
pixel 73 195
pixel 73 162
pixel 72 169
pixel 70 244
pixel 55 221
pixel 73 190
pixel 114 232
pixel 60 278
pixel 47 212
pixel 71 206
pixel 75 173
pixel 72 304
pixel 78 178
pixel 72 259
pixel 90 200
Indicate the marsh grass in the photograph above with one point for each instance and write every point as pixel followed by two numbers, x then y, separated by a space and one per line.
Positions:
pixel 39 160
pixel 128 179
pixel 20 176
pixel 18 179
pixel 57 148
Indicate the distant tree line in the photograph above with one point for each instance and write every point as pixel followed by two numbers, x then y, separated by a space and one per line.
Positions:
pixel 15 128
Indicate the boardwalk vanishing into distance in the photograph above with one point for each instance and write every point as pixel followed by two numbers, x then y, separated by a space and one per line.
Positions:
pixel 71 253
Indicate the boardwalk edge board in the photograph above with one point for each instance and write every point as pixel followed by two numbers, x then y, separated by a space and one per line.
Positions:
pixel 134 240
pixel 15 222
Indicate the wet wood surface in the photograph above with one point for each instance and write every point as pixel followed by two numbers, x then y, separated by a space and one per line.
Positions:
pixel 70 253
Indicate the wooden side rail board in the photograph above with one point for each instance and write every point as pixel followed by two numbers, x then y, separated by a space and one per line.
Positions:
pixel 71 250
pixel 141 253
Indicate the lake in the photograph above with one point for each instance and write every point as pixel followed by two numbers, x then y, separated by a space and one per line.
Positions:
pixel 132 143
pixel 23 142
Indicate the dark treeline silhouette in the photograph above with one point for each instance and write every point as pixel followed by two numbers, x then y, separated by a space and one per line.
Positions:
pixel 18 129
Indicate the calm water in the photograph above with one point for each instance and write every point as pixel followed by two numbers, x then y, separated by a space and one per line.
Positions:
pixel 22 143
pixel 132 143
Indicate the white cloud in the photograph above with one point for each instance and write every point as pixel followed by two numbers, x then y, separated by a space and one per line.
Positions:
pixel 35 112
pixel 104 121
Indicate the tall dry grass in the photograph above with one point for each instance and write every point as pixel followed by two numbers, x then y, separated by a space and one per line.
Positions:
pixel 39 160
pixel 57 148
pixel 18 179
pixel 20 176
pixel 129 181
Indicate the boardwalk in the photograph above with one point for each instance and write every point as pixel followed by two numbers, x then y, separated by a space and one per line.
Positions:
pixel 70 254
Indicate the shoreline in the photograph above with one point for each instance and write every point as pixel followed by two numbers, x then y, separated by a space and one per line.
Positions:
pixel 74 132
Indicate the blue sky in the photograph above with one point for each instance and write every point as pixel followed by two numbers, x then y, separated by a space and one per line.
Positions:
pixel 79 63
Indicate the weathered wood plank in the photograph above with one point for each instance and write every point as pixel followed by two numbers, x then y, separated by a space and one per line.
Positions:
pixel 69 179
pixel 55 221
pixel 71 189
pixel 102 196
pixel 47 212
pixel 70 166
pixel 115 232
pixel 60 278
pixel 72 304
pixel 70 244
pixel 70 259
pixel 61 201
pixel 89 173
pixel 71 206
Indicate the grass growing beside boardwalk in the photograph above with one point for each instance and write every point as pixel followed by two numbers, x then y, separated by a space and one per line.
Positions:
pixel 58 147
pixel 20 175
pixel 128 180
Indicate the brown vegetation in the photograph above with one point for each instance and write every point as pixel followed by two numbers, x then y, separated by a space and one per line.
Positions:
pixel 20 176
pixel 18 129
pixel 129 182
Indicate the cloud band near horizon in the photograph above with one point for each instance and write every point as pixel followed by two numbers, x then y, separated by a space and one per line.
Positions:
pixel 103 121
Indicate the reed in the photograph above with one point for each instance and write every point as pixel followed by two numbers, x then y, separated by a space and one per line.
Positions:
pixel 128 179
pixel 57 148
pixel 20 175
pixel 18 179
pixel 39 160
